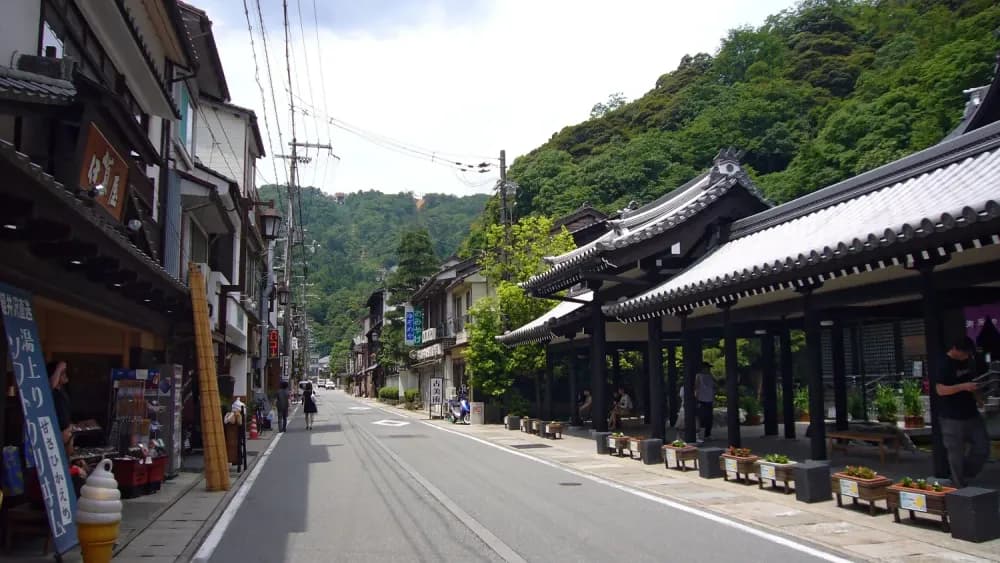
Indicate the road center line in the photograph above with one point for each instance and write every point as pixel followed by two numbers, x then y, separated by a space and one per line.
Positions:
pixel 494 543
pixel 791 544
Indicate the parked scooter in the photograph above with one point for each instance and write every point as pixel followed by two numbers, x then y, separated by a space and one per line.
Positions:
pixel 458 410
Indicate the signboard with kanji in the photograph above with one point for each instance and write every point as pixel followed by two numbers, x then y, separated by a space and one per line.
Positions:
pixel 418 327
pixel 44 437
pixel 437 394
pixel 408 331
pixel 272 343
pixel 103 165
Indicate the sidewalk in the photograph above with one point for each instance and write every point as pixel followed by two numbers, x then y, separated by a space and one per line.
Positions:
pixel 852 533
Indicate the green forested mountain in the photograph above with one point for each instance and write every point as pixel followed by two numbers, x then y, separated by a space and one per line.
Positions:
pixel 815 95
pixel 355 245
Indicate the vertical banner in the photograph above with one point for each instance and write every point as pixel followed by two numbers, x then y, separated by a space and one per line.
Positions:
pixel 418 327
pixel 409 325
pixel 41 426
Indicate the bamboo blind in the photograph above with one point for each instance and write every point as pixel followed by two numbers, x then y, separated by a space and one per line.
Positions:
pixel 212 432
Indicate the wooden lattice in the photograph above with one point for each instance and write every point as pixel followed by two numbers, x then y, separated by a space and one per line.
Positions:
pixel 212 432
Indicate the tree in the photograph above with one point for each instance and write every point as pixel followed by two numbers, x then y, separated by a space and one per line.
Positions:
pixel 614 102
pixel 492 367
pixel 416 261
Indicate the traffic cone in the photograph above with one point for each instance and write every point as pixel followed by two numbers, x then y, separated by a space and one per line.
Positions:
pixel 253 429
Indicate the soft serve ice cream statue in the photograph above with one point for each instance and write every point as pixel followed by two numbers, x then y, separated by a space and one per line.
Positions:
pixel 99 514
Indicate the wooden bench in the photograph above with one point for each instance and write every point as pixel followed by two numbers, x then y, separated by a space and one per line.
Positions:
pixel 878 438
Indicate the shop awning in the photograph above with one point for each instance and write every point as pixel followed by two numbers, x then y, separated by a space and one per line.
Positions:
pixel 925 204
pixel 202 200
pixel 539 329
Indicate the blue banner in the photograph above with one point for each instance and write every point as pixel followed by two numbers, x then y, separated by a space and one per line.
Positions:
pixel 418 327
pixel 409 325
pixel 41 426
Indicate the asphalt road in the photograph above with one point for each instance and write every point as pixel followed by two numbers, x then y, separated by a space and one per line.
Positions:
pixel 358 488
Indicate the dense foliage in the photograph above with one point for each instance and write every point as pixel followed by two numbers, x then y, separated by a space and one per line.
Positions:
pixel 815 95
pixel 356 244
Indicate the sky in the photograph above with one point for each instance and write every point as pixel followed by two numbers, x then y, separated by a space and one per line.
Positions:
pixel 404 89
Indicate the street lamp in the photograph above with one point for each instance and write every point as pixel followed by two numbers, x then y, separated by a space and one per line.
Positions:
pixel 283 294
pixel 270 221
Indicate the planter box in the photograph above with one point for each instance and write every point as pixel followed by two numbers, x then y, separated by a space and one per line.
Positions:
pixel 525 423
pixel 919 500
pixel 775 472
pixel 618 444
pixel 677 458
pixel 913 421
pixel 868 490
pixel 752 420
pixel 132 476
pixel 553 430
pixel 536 426
pixel 735 466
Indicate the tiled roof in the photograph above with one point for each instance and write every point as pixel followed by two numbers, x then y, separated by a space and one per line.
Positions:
pixel 30 87
pixel 49 183
pixel 640 225
pixel 949 186
pixel 539 329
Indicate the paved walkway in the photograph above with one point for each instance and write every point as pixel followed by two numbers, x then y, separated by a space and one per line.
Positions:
pixel 854 532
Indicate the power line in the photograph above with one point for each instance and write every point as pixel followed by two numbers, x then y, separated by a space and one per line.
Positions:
pixel 270 80
pixel 260 87
pixel 322 84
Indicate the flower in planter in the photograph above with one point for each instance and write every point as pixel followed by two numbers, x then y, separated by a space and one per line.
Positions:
pixel 906 482
pixel 776 458
pixel 738 452
pixel 678 444
pixel 860 472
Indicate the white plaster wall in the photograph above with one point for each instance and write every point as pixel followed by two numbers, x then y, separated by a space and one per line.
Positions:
pixel 220 139
pixel 20 30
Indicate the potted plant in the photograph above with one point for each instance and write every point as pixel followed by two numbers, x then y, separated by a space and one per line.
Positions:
pixel 774 468
pixel 860 483
pixel 913 406
pixel 919 496
pixel 737 461
pixel 801 403
pixel 886 405
pixel 676 454
pixel 618 443
pixel 751 407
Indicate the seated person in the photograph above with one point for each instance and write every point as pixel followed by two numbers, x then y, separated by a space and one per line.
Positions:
pixel 585 405
pixel 622 408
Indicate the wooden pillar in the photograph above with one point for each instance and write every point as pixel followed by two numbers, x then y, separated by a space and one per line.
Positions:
pixel 814 366
pixel 839 376
pixel 549 367
pixel 692 362
pixel 574 411
pixel 672 406
pixel 897 351
pixel 616 366
pixel 933 334
pixel 654 368
pixel 859 355
pixel 598 368
pixel 769 384
pixel 787 383
pixel 732 378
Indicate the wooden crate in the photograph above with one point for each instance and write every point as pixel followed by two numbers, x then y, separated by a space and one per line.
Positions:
pixel 775 472
pixel 678 457
pixel 868 490
pixel 919 500
pixel 739 465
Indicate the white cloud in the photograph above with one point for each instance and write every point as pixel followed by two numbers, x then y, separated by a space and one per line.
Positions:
pixel 510 79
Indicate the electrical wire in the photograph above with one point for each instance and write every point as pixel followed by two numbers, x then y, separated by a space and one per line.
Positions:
pixel 260 88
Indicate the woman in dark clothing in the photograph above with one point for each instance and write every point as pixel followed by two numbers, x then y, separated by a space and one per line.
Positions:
pixel 309 405
pixel 58 378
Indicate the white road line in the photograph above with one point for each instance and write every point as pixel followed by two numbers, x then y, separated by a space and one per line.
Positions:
pixel 660 500
pixel 494 543
pixel 204 553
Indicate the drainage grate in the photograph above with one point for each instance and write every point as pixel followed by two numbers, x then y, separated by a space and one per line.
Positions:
pixel 529 446
pixel 570 484
pixel 403 436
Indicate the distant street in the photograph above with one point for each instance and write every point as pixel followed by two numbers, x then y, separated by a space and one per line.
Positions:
pixel 367 485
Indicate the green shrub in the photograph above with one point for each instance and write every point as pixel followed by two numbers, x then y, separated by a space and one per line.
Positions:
pixel 855 405
pixel 886 405
pixel 389 393
pixel 750 405
pixel 411 395
pixel 801 401
pixel 912 405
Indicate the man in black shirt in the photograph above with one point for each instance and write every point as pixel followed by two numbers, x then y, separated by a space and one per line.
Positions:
pixel 958 414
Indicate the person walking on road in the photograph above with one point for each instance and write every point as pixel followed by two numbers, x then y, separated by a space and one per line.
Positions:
pixel 282 406
pixel 961 423
pixel 704 393
pixel 309 405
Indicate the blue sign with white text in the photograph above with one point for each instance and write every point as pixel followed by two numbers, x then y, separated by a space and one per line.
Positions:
pixel 41 426
pixel 409 325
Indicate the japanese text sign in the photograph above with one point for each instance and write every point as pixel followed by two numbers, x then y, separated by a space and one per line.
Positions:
pixel 41 426
pixel 272 343
pixel 409 325
pixel 102 164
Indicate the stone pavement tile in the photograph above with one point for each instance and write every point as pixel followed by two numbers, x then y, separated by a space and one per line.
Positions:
pixel 896 549
pixel 125 558
pixel 153 543
pixel 769 513
pixel 841 533
pixel 196 506
pixel 937 557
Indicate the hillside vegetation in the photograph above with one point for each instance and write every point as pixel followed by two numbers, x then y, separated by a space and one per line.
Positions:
pixel 817 94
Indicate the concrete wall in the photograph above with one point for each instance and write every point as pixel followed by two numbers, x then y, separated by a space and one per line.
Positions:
pixel 20 32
